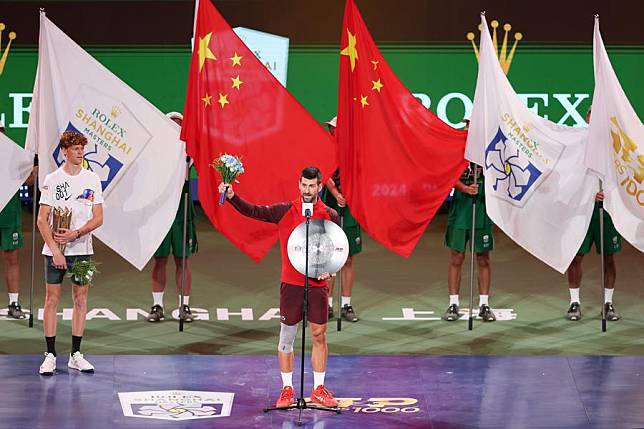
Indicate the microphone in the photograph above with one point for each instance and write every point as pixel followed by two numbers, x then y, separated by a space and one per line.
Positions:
pixel 307 210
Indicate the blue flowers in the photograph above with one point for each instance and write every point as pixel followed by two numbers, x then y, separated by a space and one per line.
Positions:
pixel 229 166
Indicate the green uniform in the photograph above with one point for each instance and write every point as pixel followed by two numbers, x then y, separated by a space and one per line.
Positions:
pixel 612 239
pixel 11 225
pixel 350 225
pixel 172 241
pixel 459 220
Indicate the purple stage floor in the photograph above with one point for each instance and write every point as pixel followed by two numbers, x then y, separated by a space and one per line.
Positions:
pixel 377 391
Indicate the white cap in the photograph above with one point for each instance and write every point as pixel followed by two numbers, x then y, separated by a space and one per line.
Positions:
pixel 332 122
pixel 175 115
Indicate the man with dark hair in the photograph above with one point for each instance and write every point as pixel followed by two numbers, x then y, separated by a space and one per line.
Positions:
pixel 69 188
pixel 287 216
pixel 612 245
pixel 11 240
pixel 459 232
pixel 173 242
pixel 332 197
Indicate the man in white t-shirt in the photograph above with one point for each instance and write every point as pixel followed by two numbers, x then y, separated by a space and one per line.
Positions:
pixel 79 190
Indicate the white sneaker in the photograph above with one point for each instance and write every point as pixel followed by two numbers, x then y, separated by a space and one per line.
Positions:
pixel 78 361
pixel 48 366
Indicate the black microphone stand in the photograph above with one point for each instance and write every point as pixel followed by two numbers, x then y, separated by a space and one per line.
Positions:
pixel 301 404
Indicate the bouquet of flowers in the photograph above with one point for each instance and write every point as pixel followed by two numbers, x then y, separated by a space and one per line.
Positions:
pixel 83 271
pixel 230 167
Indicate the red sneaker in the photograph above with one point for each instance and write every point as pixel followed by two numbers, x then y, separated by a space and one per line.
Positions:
pixel 323 396
pixel 287 397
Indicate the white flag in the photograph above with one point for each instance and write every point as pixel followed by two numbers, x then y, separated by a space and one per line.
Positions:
pixel 537 189
pixel 132 146
pixel 15 167
pixel 615 149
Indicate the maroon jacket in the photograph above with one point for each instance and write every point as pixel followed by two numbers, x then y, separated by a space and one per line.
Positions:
pixel 287 216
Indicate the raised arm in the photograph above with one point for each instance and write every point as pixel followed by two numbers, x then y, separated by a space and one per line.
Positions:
pixel 272 213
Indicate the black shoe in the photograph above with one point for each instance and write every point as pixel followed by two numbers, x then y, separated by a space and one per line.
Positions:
pixel 574 312
pixel 187 314
pixel 331 314
pixel 15 311
pixel 451 314
pixel 610 313
pixel 485 313
pixel 156 314
pixel 348 313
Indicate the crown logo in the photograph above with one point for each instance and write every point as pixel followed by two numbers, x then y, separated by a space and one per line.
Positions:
pixel 3 59
pixel 504 58
pixel 115 111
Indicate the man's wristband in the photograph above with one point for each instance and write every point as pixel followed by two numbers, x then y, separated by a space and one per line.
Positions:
pixel 78 234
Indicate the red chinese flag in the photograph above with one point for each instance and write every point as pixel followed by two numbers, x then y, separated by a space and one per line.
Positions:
pixel 234 105
pixel 397 160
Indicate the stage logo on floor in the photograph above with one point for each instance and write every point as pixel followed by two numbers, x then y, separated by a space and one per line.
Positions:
pixel 176 405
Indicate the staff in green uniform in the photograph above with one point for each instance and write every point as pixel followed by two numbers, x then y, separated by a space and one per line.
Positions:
pixel 11 240
pixel 458 234
pixel 332 197
pixel 173 242
pixel 612 245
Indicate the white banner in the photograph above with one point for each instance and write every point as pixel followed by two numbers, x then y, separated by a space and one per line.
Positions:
pixel 616 149
pixel 132 146
pixel 15 167
pixel 537 189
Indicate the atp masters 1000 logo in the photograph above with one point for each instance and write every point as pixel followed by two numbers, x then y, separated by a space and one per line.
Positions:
pixel 629 164
pixel 115 136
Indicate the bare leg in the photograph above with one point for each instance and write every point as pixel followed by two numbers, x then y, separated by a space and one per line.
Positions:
pixel 50 318
pixel 12 270
pixel 610 272
pixel 286 361
pixel 483 262
pixel 79 297
pixel 347 277
pixel 454 271
pixel 179 273
pixel 575 272
pixel 320 349
pixel 158 273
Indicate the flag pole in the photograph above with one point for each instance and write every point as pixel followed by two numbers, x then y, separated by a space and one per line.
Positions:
pixel 601 255
pixel 34 194
pixel 339 287
pixel 470 321
pixel 183 242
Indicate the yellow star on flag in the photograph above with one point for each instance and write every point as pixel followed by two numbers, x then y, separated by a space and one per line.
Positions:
pixel 206 100
pixel 223 99
pixel 363 101
pixel 204 51
pixel 350 50
pixel 375 64
pixel 376 85
pixel 236 59
pixel 236 82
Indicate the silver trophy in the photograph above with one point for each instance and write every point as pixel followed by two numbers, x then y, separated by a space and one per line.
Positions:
pixel 328 248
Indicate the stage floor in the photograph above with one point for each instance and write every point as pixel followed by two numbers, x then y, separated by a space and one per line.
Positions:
pixel 377 391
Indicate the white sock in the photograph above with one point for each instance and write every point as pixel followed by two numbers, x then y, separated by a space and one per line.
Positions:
pixel 318 379
pixel 330 301
pixel 13 297
pixel 287 379
pixel 453 299
pixel 574 295
pixel 608 295
pixel 186 300
pixel 157 297
pixel 346 300
pixel 483 300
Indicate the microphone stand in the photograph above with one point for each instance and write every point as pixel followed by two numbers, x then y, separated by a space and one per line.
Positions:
pixel 301 404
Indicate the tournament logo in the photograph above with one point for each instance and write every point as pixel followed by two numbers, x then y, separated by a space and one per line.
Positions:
pixel 518 160
pixel 87 195
pixel 115 137
pixel 176 405
pixel 5 54
pixel 629 164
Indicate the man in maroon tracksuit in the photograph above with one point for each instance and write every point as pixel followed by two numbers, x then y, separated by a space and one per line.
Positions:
pixel 287 216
